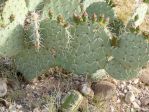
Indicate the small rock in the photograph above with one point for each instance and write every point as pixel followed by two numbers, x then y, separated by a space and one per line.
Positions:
pixel 125 90
pixel 104 90
pixel 112 109
pixel 122 86
pixel 45 110
pixel 135 81
pixel 129 98
pixel 145 76
pixel 135 105
pixel 12 108
pixel 135 90
pixel 86 90
pixel 92 108
pixel 118 100
pixel 37 109
pixel 123 83
pixel 144 101
pixel 3 87
pixel 114 81
pixel 130 81
pixel 98 74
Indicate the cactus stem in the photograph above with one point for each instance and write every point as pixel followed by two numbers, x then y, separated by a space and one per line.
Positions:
pixel 36 33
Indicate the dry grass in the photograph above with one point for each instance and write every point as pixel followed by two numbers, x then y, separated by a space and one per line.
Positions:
pixel 145 25
pixel 124 9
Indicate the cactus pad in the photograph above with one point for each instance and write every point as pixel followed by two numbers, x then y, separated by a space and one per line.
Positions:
pixel 101 8
pixel 86 3
pixel 120 71
pixel 11 40
pixel 76 49
pixel 131 55
pixel 14 11
pixel 66 8
pixel 72 101
pixel 32 5
pixel 88 50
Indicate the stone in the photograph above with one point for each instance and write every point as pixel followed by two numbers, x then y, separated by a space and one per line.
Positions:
pixel 12 108
pixel 135 105
pixel 36 109
pixel 129 98
pixel 86 90
pixel 3 87
pixel 145 76
pixel 103 90
pixel 135 81
pixel 92 108
pixel 135 90
pixel 144 101
pixel 99 74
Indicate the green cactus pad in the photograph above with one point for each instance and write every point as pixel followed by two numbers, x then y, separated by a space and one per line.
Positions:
pixel 32 5
pixel 101 8
pixel 129 57
pixel 86 3
pixel 32 63
pixel 120 71
pixel 88 50
pixel 66 8
pixel 133 50
pixel 72 101
pixel 11 40
pixel 80 49
pixel 14 11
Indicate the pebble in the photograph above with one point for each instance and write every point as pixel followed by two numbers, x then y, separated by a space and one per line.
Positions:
pixel 125 90
pixel 86 90
pixel 12 108
pixel 135 105
pixel 135 90
pixel 92 108
pixel 3 87
pixel 145 76
pixel 36 109
pixel 129 98
pixel 135 81
pixel 144 101
pixel 104 89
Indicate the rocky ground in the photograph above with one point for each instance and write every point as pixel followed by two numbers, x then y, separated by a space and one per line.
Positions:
pixel 45 93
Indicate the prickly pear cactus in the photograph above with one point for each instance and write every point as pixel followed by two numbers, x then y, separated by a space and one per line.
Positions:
pixel 101 9
pixel 72 101
pixel 13 11
pixel 86 3
pixel 32 63
pixel 11 40
pixel 53 40
pixel 12 19
pixel 66 8
pixel 80 36
pixel 128 57
pixel 86 43
pixel 32 5
pixel 75 49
